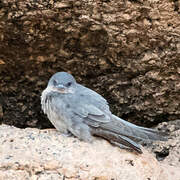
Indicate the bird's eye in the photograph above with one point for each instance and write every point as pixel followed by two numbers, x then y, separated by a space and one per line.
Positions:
pixel 54 82
pixel 68 84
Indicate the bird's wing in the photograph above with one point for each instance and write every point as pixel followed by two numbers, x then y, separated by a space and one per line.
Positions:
pixel 91 106
pixel 95 112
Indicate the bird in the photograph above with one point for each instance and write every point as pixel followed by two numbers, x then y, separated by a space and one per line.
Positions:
pixel 76 110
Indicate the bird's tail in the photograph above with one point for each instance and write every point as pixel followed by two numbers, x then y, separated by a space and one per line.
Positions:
pixel 117 139
pixel 121 132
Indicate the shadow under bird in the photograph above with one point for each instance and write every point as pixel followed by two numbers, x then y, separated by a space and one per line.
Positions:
pixel 75 109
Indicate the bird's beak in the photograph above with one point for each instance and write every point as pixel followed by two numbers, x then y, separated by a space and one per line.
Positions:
pixel 60 88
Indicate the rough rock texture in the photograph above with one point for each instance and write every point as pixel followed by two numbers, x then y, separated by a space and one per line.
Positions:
pixel 168 151
pixel 45 154
pixel 128 51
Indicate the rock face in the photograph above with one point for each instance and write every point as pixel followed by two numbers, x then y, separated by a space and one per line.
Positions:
pixel 168 151
pixel 128 51
pixel 45 154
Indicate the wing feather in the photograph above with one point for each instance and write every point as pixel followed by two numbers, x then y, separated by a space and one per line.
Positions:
pixel 91 106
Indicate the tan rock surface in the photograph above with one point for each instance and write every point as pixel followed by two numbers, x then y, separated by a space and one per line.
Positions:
pixel 45 154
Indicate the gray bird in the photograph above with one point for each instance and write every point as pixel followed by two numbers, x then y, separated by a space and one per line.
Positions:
pixel 75 109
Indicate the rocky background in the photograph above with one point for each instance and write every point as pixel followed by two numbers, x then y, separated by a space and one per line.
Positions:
pixel 129 51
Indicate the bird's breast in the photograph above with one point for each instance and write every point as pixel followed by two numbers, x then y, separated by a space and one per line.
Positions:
pixel 54 107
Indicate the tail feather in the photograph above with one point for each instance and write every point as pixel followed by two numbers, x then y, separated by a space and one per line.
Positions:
pixel 117 139
pixel 124 128
pixel 153 134
pixel 120 132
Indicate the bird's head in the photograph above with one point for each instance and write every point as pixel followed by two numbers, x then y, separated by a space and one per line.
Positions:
pixel 62 82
